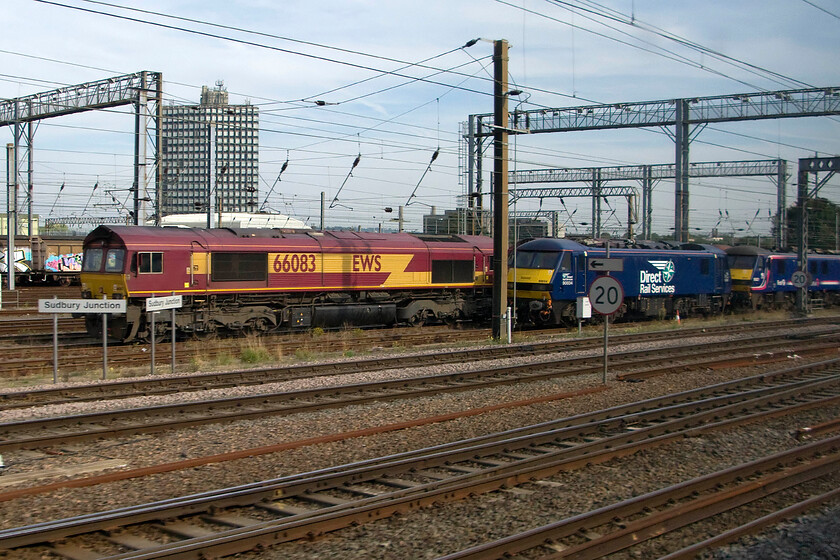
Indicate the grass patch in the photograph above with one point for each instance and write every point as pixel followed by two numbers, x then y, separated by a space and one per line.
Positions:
pixel 254 352
pixel 304 354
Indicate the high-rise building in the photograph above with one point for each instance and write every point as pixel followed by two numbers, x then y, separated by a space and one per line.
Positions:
pixel 212 136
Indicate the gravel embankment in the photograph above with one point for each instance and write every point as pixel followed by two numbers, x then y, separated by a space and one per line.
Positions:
pixel 431 532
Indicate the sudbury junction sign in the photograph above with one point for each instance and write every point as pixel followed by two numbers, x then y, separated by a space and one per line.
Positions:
pixel 81 306
pixel 102 306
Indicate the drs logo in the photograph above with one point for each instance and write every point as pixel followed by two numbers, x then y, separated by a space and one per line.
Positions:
pixel 294 262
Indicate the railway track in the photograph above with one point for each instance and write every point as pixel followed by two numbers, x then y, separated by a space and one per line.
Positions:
pixel 16 331
pixel 626 524
pixel 25 299
pixel 269 512
pixel 49 431
pixel 87 353
pixel 206 381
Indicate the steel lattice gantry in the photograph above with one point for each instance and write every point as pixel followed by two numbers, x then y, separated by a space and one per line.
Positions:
pixel 596 192
pixel 830 165
pixel 649 174
pixel 85 221
pixel 143 90
pixel 676 115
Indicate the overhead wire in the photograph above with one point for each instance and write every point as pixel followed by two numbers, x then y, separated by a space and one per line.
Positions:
pixel 255 44
pixel 412 78
pixel 820 8
pixel 605 12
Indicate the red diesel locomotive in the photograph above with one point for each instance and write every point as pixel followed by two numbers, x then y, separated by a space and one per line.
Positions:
pixel 257 280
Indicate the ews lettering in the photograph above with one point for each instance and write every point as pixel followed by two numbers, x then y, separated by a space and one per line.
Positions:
pixel 367 263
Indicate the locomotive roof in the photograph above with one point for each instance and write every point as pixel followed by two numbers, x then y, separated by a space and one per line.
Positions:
pixel 549 244
pixel 748 250
pixel 151 238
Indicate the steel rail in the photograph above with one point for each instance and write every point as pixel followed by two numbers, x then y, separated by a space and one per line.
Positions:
pixel 669 509
pixel 203 381
pixel 754 526
pixel 314 503
pixel 42 432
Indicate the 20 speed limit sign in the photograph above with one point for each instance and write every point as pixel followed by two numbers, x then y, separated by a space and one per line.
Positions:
pixel 799 279
pixel 606 295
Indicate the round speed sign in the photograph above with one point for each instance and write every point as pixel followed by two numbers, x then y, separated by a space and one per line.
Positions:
pixel 799 279
pixel 606 295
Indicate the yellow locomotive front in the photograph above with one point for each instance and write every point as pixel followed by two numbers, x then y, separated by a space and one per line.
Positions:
pixel 103 277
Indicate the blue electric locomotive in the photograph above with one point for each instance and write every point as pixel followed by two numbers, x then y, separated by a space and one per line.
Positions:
pixel 546 276
pixel 761 279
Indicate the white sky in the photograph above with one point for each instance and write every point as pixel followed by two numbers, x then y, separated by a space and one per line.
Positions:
pixel 44 46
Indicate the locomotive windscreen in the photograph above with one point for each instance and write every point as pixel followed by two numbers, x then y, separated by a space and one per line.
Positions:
pixel 741 261
pixel 546 260
pixel 92 261
pixel 114 260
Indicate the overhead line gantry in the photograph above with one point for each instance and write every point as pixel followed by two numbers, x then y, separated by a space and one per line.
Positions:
pixel 140 89
pixel 648 175
pixel 675 116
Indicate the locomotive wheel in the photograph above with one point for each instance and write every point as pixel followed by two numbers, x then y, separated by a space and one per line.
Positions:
pixel 161 334
pixel 209 332
pixel 567 316
pixel 419 318
pixel 256 327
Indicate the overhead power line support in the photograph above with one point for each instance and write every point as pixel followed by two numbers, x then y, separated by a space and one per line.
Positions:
pixel 596 194
pixel 647 202
pixel 136 89
pixel 650 174
pixel 11 213
pixel 781 205
pixel 596 203
pixel 500 187
pixel 807 166
pixel 681 141
pixel 811 102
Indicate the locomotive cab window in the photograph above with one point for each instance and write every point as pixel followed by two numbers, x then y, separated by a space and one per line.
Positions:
pixel 741 261
pixel 114 260
pixel 92 260
pixel 780 267
pixel 704 266
pixel 150 263
pixel 239 267
pixel 538 259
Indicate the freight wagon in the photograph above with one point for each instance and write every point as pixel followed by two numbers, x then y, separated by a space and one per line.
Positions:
pixel 44 260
